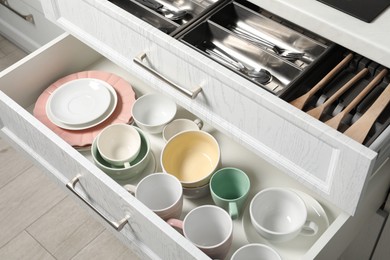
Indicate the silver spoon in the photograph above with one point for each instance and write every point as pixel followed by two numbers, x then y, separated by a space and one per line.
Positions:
pixel 261 75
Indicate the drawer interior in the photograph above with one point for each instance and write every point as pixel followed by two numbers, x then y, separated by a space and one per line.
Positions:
pixel 357 64
pixel 258 41
pixel 73 56
pixel 169 16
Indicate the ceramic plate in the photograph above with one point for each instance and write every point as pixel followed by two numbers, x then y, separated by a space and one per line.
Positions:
pixel 79 101
pixel 84 138
pixel 296 248
pixel 110 109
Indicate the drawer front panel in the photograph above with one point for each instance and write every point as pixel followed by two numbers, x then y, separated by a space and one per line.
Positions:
pixel 326 161
pixel 30 29
pixel 320 157
pixel 127 37
pixel 145 232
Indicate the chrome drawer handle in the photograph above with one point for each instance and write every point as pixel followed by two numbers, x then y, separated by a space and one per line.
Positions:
pixel 28 17
pixel 139 60
pixel 117 225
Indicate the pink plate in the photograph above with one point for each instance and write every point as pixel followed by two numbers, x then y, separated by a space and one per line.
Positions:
pixel 82 138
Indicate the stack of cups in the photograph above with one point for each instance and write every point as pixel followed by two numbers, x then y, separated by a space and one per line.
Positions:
pixel 191 156
pixel 121 150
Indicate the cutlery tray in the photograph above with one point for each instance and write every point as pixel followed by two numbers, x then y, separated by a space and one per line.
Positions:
pixel 219 28
pixel 357 63
pixel 195 9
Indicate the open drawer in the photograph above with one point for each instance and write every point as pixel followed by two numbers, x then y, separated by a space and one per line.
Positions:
pixel 143 231
pixel 326 161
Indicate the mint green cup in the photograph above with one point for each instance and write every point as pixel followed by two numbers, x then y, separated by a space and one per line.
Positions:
pixel 229 189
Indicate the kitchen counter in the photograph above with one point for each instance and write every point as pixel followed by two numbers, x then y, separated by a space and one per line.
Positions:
pixel 368 39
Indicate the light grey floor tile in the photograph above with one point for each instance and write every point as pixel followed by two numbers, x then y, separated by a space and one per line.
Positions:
pixel 24 200
pixel 65 229
pixel 12 163
pixel 128 255
pixel 23 247
pixel 105 246
pixel 9 53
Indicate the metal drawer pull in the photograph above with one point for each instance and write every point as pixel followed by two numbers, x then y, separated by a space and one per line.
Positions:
pixel 117 225
pixel 192 94
pixel 29 17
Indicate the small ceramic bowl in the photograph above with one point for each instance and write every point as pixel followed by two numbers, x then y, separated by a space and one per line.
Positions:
pixel 192 157
pixel 152 112
pixel 123 173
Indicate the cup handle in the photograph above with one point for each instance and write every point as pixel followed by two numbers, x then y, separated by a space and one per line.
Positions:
pixel 127 165
pixel 310 228
pixel 199 123
pixel 176 223
pixel 233 210
pixel 130 188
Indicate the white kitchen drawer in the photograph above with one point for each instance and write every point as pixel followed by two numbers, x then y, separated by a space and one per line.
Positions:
pixel 146 233
pixel 327 162
pixel 30 29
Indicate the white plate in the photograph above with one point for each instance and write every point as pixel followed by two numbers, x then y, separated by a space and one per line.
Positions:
pixel 80 101
pixel 296 248
pixel 108 111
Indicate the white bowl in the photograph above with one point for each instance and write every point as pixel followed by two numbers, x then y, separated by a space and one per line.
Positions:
pixel 152 112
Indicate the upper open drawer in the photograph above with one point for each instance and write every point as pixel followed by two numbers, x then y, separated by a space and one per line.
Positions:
pixel 328 162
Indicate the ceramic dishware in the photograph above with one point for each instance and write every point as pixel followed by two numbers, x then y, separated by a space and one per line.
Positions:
pixel 152 112
pixel 191 156
pixel 255 252
pixel 197 192
pixel 180 125
pixel 122 172
pixel 80 101
pixel 119 144
pixel 280 214
pixel 160 192
pixel 119 111
pixel 209 228
pixel 229 189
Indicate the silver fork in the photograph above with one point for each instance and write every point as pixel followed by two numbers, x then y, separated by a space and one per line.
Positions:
pixel 282 52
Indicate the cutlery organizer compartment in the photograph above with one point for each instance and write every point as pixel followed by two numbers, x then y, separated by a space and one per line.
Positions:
pixel 341 92
pixel 170 16
pixel 252 42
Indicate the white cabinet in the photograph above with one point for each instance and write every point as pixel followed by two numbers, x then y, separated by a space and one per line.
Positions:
pixel 274 142
pixel 145 232
pixel 326 161
pixel 24 23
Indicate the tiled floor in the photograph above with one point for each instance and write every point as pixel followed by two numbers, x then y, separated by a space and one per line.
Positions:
pixel 37 219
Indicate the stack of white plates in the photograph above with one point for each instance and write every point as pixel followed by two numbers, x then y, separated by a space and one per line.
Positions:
pixel 81 103
pixel 79 106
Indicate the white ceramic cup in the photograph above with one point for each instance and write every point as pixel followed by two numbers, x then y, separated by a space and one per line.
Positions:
pixel 181 125
pixel 152 112
pixel 255 252
pixel 119 144
pixel 160 192
pixel 209 228
pixel 279 215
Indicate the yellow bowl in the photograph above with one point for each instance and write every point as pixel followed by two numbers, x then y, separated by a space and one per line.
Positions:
pixel 192 157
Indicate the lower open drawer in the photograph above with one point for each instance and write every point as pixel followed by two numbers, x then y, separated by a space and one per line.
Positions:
pixel 145 232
